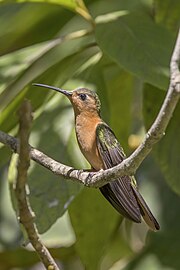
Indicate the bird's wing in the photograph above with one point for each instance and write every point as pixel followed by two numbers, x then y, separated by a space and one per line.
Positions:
pixel 119 193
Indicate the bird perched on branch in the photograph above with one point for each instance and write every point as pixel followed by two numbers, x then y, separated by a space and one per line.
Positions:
pixel 101 148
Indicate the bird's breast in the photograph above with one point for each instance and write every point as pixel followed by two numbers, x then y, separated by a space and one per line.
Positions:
pixel 86 137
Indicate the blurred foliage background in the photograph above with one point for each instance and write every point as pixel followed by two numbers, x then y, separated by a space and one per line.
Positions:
pixel 121 49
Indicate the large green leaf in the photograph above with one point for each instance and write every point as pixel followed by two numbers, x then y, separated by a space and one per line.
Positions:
pixel 167 150
pixel 26 24
pixel 167 13
pixel 94 222
pixel 134 42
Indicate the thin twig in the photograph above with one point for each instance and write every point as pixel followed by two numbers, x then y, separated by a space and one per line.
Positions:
pixel 130 164
pixel 26 216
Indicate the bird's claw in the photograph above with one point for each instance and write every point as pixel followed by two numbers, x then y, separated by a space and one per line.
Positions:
pixel 79 173
pixel 89 178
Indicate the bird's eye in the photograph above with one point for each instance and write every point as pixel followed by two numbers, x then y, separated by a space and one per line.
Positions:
pixel 83 96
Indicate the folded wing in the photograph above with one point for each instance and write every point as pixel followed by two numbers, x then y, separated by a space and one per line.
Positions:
pixel 121 193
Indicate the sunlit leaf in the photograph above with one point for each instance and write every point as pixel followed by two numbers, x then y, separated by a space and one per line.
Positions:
pixel 54 52
pixel 74 5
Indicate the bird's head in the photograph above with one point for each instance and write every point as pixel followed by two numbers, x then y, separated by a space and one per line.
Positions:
pixel 82 99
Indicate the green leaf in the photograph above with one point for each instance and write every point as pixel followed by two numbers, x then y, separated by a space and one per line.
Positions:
pixel 77 6
pixel 54 52
pixel 25 24
pixel 10 232
pixel 94 222
pixel 24 258
pixel 167 150
pixel 99 8
pixel 6 153
pixel 72 4
pixel 119 88
pixel 136 45
pixel 167 13
pixel 117 250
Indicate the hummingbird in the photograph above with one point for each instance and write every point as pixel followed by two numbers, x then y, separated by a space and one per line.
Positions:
pixel 102 150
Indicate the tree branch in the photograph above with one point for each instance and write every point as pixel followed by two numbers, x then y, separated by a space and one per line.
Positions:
pixel 130 164
pixel 26 216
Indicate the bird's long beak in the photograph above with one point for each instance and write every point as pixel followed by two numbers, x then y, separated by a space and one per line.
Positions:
pixel 65 92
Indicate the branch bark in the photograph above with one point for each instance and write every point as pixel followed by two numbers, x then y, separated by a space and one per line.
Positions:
pixel 26 216
pixel 130 164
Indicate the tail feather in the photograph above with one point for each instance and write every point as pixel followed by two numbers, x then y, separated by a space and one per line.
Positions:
pixel 146 212
pixel 132 207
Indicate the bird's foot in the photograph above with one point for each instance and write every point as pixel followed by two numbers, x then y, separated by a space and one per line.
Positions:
pixel 83 171
pixel 88 180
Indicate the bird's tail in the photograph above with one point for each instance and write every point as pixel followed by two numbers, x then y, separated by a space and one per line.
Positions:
pixel 145 211
pixel 129 204
pixel 120 194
